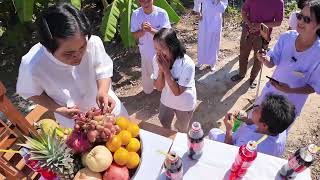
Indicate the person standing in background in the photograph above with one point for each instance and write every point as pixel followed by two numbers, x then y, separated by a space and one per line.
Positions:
pixel 145 22
pixel 255 12
pixel 210 27
pixel 293 16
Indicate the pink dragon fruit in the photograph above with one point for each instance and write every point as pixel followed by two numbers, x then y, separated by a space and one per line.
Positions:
pixel 78 142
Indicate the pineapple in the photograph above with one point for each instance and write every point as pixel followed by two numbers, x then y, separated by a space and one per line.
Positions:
pixel 53 154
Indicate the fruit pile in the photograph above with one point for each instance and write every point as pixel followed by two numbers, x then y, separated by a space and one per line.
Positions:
pixel 108 146
pixel 125 145
pixel 96 126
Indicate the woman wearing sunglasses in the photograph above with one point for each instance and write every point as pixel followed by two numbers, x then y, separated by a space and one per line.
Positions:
pixel 69 70
pixel 296 55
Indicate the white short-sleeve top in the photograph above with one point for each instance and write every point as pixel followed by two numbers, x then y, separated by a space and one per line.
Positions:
pixel 67 85
pixel 183 72
pixel 158 19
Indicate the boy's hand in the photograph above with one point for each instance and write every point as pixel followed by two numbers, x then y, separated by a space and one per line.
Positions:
pixel 228 121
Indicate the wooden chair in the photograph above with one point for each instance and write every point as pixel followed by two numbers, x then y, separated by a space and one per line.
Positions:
pixel 12 165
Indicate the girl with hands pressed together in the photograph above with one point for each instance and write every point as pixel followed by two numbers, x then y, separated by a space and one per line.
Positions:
pixel 173 75
pixel 296 56
pixel 68 71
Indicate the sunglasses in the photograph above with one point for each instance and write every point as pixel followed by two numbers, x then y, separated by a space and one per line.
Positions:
pixel 306 19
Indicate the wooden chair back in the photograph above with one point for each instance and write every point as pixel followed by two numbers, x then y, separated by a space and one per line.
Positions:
pixel 12 165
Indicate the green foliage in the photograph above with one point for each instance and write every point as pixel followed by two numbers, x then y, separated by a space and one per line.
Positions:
pixel 125 23
pixel 76 3
pixel 173 16
pixel 290 6
pixel 110 21
pixel 24 9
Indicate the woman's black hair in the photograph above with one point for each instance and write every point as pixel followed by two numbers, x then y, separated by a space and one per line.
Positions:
pixel 169 37
pixel 315 9
pixel 60 22
pixel 301 3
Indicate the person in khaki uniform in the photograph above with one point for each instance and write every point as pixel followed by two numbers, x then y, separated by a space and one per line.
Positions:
pixel 255 12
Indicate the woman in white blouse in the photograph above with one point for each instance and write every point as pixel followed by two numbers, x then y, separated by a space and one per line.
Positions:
pixel 68 71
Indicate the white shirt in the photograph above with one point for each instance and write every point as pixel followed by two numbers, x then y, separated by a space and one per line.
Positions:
pixel 293 21
pixel 183 71
pixel 158 19
pixel 294 68
pixel 67 85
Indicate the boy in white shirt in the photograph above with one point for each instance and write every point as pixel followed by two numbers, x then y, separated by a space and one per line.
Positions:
pixel 145 22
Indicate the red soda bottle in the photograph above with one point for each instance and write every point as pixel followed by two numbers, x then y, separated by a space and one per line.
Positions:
pixel 173 167
pixel 247 154
pixel 195 141
pixel 298 162
pixel 35 165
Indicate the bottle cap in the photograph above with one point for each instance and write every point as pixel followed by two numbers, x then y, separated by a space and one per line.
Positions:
pixel 251 146
pixel 173 156
pixel 196 126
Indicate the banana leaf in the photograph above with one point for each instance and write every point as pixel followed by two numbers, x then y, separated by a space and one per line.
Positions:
pixel 125 19
pixel 110 21
pixel 173 16
pixel 24 9
pixel 76 3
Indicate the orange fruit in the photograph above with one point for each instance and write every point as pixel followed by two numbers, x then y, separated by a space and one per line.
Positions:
pixel 133 129
pixel 114 143
pixel 134 145
pixel 122 122
pixel 125 136
pixel 133 160
pixel 121 156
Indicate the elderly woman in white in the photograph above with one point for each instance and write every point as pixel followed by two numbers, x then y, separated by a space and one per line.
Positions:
pixel 68 71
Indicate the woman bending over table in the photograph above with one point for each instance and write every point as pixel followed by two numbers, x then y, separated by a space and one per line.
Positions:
pixel 173 75
pixel 68 71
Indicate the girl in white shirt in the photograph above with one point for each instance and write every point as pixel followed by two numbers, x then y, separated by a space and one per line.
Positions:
pixel 68 71
pixel 174 76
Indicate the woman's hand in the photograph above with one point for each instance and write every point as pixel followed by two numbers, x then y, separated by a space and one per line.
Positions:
pixel 105 102
pixel 68 112
pixel 264 59
pixel 281 86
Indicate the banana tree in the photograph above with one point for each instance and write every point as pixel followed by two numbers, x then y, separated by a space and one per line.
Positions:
pixel 119 13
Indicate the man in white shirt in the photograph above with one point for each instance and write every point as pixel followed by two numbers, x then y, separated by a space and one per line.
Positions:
pixel 145 22
pixel 272 117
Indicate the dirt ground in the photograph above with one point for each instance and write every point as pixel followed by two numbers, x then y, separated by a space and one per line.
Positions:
pixel 217 94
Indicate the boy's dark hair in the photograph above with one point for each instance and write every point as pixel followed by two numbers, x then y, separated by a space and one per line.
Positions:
pixel 301 3
pixel 169 37
pixel 277 112
pixel 61 21
pixel 315 10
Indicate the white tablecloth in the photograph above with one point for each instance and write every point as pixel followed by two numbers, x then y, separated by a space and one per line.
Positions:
pixel 151 162
pixel 217 159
